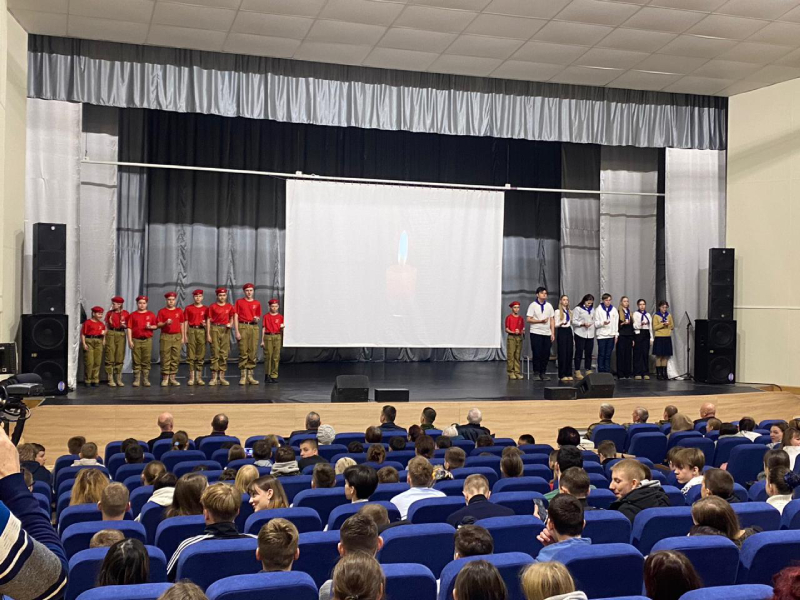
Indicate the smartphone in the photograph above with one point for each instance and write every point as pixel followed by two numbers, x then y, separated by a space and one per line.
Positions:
pixel 248 452
pixel 542 509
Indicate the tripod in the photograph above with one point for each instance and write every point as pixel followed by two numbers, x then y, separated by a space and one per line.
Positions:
pixel 689 326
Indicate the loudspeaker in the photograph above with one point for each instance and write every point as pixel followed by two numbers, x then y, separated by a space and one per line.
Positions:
pixel 560 393
pixel 49 268
pixel 44 350
pixel 8 359
pixel 714 351
pixel 596 385
pixel 350 388
pixel 391 395
pixel 720 283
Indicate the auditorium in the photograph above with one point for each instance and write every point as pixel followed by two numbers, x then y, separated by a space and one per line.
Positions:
pixel 393 299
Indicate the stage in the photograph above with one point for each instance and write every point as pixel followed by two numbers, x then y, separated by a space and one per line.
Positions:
pixel 428 382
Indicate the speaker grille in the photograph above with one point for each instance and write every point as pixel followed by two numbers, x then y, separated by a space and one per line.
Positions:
pixel 722 335
pixel 720 369
pixel 48 334
pixel 44 350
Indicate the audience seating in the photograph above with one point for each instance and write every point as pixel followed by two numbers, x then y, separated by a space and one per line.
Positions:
pixel 77 537
pixel 704 444
pixel 757 514
pixel 386 463
pixel 605 570
pixel 305 519
pixel 329 451
pixel 41 487
pixel 139 498
pixel 693 495
pixel 44 503
pixel 434 510
pixel 521 484
pixel 171 532
pixel 408 580
pixel 245 510
pixel 724 447
pixel 387 491
pixel 133 482
pixel 298 438
pixel 767 423
pixel 240 462
pixel 221 456
pixel 202 565
pixel 173 457
pixel 713 435
pixel 746 461
pixel 429 544
pixel 758 492
pixel 151 516
pixel 85 565
pixel 450 487
pixel 520 502
pixel 401 456
pixel 536 459
pixel 731 592
pixel 118 460
pixel 702 427
pixel 187 466
pixel 79 513
pixel 649 444
pixel 676 438
pixel 654 524
pixel 161 447
pixel 763 439
pixel 465 445
pixel 322 500
pixel 345 439
pixel 676 497
pixel 635 429
pixel 598 481
pixel 764 554
pixel 141 591
pixel 614 433
pixel 64 461
pixel 790 519
pixel 593 467
pixel 319 553
pixel 65 486
pixel 545 449
pixel 606 527
pixel 601 498
pixel 590 456
pixel 208 445
pixel 340 514
pixel 490 474
pixel 509 564
pixel 115 447
pixel 264 586
pixel 495 450
pixel 514 534
pixel 294 485
pixel 387 435
pixel 492 462
pixel 126 471
pixel 72 472
pixel 537 471
pixel 715 557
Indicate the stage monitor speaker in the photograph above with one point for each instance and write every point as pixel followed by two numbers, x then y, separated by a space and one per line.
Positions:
pixel 44 350
pixel 391 395
pixel 8 359
pixel 715 351
pixel 720 283
pixel 350 388
pixel 560 393
pixel 596 385
pixel 49 268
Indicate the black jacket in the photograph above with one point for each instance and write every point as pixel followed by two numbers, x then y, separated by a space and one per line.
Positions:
pixel 390 427
pixel 302 463
pixel 212 434
pixel 165 435
pixel 478 508
pixel 38 471
pixel 302 432
pixel 647 495
pixel 472 432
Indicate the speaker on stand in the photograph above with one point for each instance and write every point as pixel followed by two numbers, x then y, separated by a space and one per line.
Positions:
pixel 48 295
pixel 715 337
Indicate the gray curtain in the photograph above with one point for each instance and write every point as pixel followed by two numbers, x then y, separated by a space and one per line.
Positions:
pixel 131 76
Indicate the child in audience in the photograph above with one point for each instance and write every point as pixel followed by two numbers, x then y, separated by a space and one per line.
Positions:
pixel 376 512
pixel 114 502
pixel 358 536
pixel 388 475
pixel 688 468
pixel 607 450
pixel 575 482
pixel 262 454
pixel 245 476
pixel 396 444
pixel 88 456
pixel 343 463
pixel 717 482
pixel 180 441
pixel 443 442
pixel 186 497
pixel 74 444
pixel 323 476
pixel 526 439
pixel 33 460
pixel 277 545
pixel 511 466
pixel 714 516
pixel 183 590
pixel 285 463
pixel 88 488
pixel 126 563
pixel 776 457
pixel 357 576
pixel 236 452
pixel 563 528
pixel 105 538
pixel 425 446
pixel 668 575
pixel 420 478
pixel 549 580
pixel 360 482
pixel 163 491
pixel 781 483
pixel 227 474
pixel 454 458
pixel 713 424
pixel 266 492
pixel 479 580
pixel 376 454
pixel 472 540
pixel 631 484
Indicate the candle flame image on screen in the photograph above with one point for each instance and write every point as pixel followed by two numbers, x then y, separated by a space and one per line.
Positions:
pixel 401 280
pixel 402 248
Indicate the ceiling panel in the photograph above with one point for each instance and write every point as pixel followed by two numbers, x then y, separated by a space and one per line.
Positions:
pixel 260 24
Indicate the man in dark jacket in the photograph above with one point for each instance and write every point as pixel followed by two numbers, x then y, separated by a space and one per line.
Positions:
pixel 28 458
pixel 219 427
pixel 477 494
pixel 473 429
pixel 166 424
pixel 313 422
pixel 634 490
pixel 388 415
pixel 309 454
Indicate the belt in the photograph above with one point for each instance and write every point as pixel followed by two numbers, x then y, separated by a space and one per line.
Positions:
pixel 268 333
pixel 218 325
pixel 247 323
pixel 197 326
pixel 143 338
pixel 115 329
pixel 93 337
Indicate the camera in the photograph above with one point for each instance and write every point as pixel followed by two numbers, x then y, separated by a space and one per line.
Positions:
pixel 13 391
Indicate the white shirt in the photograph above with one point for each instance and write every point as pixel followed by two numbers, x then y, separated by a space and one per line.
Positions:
pixel 603 331
pixel 691 483
pixel 780 501
pixel 750 435
pixel 537 311
pixel 581 317
pixel 642 323
pixel 564 322
pixel 404 501
pixel 792 451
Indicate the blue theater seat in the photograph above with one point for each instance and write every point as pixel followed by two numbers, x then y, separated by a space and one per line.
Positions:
pixel 693 495
pixel 731 592
pixel 79 513
pixel 126 471
pixel 294 485
pixel 85 565
pixel 173 457
pixel 77 537
pixel 387 491
pixel 655 524
pixel 509 564
pixel 305 519
pixel 346 438
pixel 405 544
pixel 171 532
pixel 545 449
pixel 637 428
pixel 322 500
pixel 44 503
pixel 492 462
pixel 598 481
pixel 329 451
pixel 434 510
pixel 341 513
pixel 161 447
pixel 767 423
pixel 542 471
pixel 42 487
pixel 536 459
pixel 606 526
pixel 264 586
pixel 387 435
pixel 704 444
pixel 118 460
pixel 758 491
pixel 676 438
pixel 601 498
pixel 521 484
pixel 296 439
pixel 790 519
pixel 450 487
pixel 614 433
pixel 514 534
pixel 401 456
pixel 141 591
pixel 649 444
pixel 115 447
pixel 221 456
pixel 590 456
pixel 490 474
pixel 187 466
pixel 724 447
pixel 139 498
pixel 240 462
pixel 605 570
pixel 714 557
pixel 757 514
pixel 676 497
pixel 496 450
pixel 764 554
pixel 211 444
pixel 746 461
pixel 520 502
pixel 151 516
pixel 593 467
pixel 64 461
pixel 408 580
pixel 318 554
pixel 202 565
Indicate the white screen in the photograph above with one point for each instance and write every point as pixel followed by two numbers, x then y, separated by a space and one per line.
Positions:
pixel 392 266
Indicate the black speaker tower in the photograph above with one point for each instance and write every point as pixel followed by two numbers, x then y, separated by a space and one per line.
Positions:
pixel 44 350
pixel 49 268
pixel 715 337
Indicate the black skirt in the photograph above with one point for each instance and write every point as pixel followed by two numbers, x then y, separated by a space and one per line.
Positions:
pixel 662 346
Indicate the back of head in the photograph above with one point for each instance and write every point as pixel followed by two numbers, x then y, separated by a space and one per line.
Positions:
pixel 376 512
pixel 323 476
pixel 358 576
pixel 429 415
pixel 236 452
pixel 568 436
pixel 126 563
pixel 363 479
pixel 89 450
pixel 414 432
pixel 450 431
pixel 420 472
pixel 114 500
pixel 474 416
pixel 776 457
pixel 716 513
pixel 747 424
pixel 221 502
pixel 455 457
pixel 670 411
pixel 376 453
pixel 186 498
pixel 88 487
pixel 343 464
pixel 373 435
pixel 576 481
pixel 689 458
pixel 786 584
pixel 389 413
pixel 152 471
pixel 511 466
pixel 127 443
pixel 183 590
pixel 480 580
pixel 180 440
pixel 632 469
pixel 106 538
pixel 27 452
pixel 782 481
pixel 607 449
pixel 680 422
pixel 357 447
pixel 642 413
pixel 75 443
pixel 245 476
pixel 219 423
pixel 262 450
pixel 443 442
pixel 277 544
pixel 484 441
pixel 164 480
pixel 388 475
pixel 669 575
pixel 476 484
pixel 713 424
pixel 325 435
pixel 134 454
pixel 566 515
pixel 546 579
pixel 425 446
pixel 165 421
pixel 473 540
pixel 526 439
pixel 397 443
pixel 313 420
pixel 718 483
pixel 568 457
pixel 359 533
pixel 284 454
pixel 728 429
pixel 606 411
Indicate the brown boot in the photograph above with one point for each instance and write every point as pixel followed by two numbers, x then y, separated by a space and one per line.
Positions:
pixel 222 380
pixel 164 380
pixel 214 380
pixel 146 378
pixel 578 375
pixel 173 381
pixel 137 379
pixel 119 378
pixel 111 382
pixel 250 379
pixel 191 378
pixel 243 378
pixel 199 379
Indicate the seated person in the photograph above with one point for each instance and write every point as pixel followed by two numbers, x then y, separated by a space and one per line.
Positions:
pixel 343 464
pixel 713 424
pixel 28 478
pixel 717 482
pixel 219 427
pixel 378 513
pixel 388 415
pixel 114 502
pixel 607 450
pixel 472 540
pixel 267 493
pixel 451 433
pixel 781 484
pixel 326 434
pixel 484 441
pixel 125 563
pixel 388 475
pixel 105 538
pixel 313 422
pixel 427 418
pixel 166 423
pixel 358 535
pixel 477 494
pixel 708 410
pixel 454 458
pixel 640 415
pixel 567 457
pixel 323 476
pixel 372 435
pixel 88 456
pixel 606 414
pixel 32 459
pixel 360 482
pixel 220 507
pixel 309 453
pixel 687 464
pixel 775 457
pixel 134 454
pixel 396 444
pixel 511 466
pixel 262 453
pixel 277 545
pixel 473 428
pixel 746 427
pixel 563 528
pixel 714 516
pixel 669 412
pixel 236 452
pixel 443 442
pixel 549 581
pixel 526 439
pixel 285 463
pixel 680 422
pixel 575 482
pixel 414 432
pixel 425 446
pixel 727 430
pixel 420 478
pixel 569 436
pixel 631 484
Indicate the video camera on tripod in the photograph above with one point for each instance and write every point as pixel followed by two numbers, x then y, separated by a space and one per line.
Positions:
pixel 13 392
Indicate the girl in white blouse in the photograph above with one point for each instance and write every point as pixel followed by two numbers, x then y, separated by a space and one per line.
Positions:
pixel 583 328
pixel 564 339
pixel 606 330
pixel 642 337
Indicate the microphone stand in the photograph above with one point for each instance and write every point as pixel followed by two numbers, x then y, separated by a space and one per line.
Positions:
pixel 689 326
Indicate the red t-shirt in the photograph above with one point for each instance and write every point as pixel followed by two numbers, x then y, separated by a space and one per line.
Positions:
pixel 176 314
pixel 272 323
pixel 248 310
pixel 92 327
pixel 196 316
pixel 138 321
pixel 220 314
pixel 514 322
pixel 117 320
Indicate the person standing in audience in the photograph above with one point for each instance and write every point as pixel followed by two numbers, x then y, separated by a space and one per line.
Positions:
pixel 515 330
pixel 173 336
pixel 663 324
pixel 116 327
pixel 278 542
pixel 668 575
pixel 420 478
pixel 272 341
pixel 625 340
pixel 564 342
pixel 540 315
pixel 309 454
pixel 583 328
pixel 606 330
pixel 563 528
pixel 218 334
pixel 479 580
pixel 186 498
pixel 267 493
pixel 356 576
pixel 196 317
pixel 245 322
pixel 472 540
pixel 141 325
pixel 631 484
pixel 93 340
pixel 126 563
pixel 642 336
pixel 477 494
pixel 687 464
pixel 549 581
pixel 358 536
pixel 360 482
pixel 781 484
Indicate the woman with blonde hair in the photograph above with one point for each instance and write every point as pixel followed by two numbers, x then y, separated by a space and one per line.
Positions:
pixel 564 340
pixel 342 465
pixel 245 476
pixel 186 497
pixel 266 493
pixel 89 486
pixel 680 422
pixel 549 581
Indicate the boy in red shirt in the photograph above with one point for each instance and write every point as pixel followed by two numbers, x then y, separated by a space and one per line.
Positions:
pixel 141 325
pixel 195 333
pixel 170 321
pixel 515 328
pixel 248 313
pixel 116 324
pixel 271 341
pixel 93 338
pixel 218 334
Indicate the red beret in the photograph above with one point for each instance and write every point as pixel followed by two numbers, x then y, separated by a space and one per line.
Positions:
pixel 273 301
pixel 118 299
pixel 145 298
pixel 513 304
pixel 170 295
pixel 196 292
pixel 98 309
pixel 248 285
pixel 221 290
